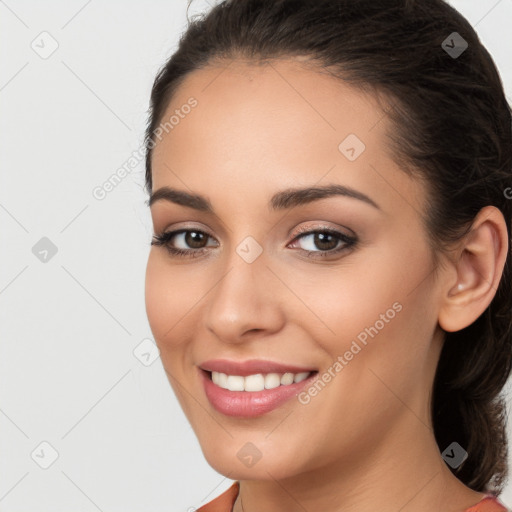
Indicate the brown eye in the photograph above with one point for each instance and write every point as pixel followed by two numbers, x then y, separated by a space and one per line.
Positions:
pixel 323 242
pixel 195 239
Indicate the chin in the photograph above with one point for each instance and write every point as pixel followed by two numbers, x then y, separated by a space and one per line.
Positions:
pixel 246 462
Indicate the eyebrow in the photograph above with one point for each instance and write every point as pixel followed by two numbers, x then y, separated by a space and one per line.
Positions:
pixel 285 199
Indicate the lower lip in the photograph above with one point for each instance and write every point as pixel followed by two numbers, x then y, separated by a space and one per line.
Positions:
pixel 249 404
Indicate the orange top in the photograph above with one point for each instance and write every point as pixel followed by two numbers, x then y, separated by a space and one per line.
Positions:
pixel 225 502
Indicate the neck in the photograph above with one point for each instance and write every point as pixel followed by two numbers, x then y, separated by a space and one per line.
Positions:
pixel 404 472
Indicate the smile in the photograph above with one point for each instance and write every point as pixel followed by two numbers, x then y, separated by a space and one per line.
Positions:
pixel 257 382
pixel 252 395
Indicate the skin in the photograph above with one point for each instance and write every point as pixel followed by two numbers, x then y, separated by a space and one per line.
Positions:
pixel 365 442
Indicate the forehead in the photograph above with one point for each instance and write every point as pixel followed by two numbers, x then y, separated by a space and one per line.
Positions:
pixel 272 125
pixel 280 92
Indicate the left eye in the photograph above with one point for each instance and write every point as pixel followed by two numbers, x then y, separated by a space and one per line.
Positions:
pixel 325 241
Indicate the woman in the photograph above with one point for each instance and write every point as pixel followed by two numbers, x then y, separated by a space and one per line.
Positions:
pixel 329 282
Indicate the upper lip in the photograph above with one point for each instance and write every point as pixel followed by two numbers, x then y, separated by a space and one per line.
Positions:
pixel 250 367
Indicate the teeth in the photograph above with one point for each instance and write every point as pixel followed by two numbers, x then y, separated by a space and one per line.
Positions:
pixel 235 383
pixel 287 378
pixel 257 382
pixel 272 380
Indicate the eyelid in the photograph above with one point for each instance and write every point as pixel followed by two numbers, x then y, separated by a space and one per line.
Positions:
pixel 322 227
pixel 349 243
pixel 179 229
pixel 293 233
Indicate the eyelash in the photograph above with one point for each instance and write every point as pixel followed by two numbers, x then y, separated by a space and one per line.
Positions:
pixel 163 239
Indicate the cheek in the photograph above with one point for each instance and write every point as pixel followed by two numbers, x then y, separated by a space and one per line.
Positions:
pixel 156 298
pixel 355 294
pixel 168 300
pixel 170 295
pixel 377 310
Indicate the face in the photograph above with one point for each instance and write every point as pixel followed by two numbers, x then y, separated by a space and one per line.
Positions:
pixel 337 281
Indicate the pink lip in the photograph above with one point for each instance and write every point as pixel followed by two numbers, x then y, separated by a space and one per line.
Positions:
pixel 250 367
pixel 249 404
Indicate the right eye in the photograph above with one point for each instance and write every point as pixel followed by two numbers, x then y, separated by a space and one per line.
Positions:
pixel 190 237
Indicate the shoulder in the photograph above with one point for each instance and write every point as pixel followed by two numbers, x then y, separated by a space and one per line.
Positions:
pixel 488 503
pixel 224 502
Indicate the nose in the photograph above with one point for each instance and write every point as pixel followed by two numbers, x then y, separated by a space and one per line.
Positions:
pixel 245 301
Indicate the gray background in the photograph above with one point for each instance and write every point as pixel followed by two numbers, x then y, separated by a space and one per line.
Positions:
pixel 73 326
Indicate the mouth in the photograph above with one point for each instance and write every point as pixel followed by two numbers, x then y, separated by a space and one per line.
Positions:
pixel 253 383
pixel 251 367
pixel 253 394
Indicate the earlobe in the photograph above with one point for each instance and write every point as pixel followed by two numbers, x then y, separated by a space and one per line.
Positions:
pixel 479 267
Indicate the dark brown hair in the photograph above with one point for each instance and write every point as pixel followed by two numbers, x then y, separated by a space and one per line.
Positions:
pixel 451 128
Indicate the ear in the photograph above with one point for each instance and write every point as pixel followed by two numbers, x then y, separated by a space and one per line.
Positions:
pixel 475 273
